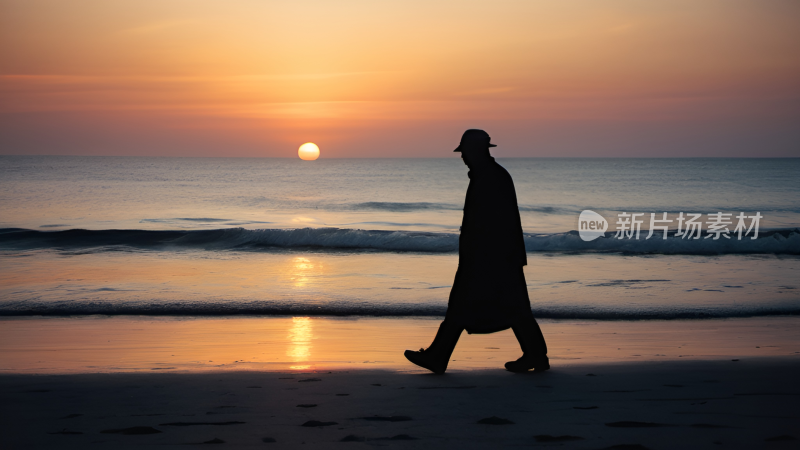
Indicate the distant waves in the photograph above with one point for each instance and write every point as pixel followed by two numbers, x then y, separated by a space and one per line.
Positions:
pixel 786 241
pixel 423 206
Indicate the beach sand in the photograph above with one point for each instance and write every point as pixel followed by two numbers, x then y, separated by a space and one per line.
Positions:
pixel 694 384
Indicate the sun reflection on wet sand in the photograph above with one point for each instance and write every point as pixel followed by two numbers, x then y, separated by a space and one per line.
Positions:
pixel 300 335
pixel 94 344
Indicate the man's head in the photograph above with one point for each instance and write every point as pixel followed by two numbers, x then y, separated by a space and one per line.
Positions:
pixel 474 146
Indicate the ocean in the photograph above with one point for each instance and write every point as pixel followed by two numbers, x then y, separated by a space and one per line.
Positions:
pixel 379 237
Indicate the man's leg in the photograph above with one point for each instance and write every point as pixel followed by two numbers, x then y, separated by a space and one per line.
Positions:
pixel 534 348
pixel 436 357
pixel 446 339
pixel 530 336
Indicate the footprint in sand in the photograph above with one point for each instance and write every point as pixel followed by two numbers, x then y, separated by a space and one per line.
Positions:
pixel 133 431
pixel 317 423
pixel 549 438
pixel 398 437
pixel 634 424
pixel 189 424
pixel 353 438
pixel 783 437
pixel 387 418
pixel 66 432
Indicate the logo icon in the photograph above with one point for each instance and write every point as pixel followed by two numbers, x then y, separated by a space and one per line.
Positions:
pixel 591 225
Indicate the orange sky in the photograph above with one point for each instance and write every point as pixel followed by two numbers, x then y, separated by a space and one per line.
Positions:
pixel 399 78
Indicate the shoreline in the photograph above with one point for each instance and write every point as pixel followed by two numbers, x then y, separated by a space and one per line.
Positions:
pixel 119 344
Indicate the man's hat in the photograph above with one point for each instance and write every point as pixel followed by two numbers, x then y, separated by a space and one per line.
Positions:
pixel 474 136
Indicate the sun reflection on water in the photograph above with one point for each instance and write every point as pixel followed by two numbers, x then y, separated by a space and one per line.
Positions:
pixel 301 269
pixel 300 335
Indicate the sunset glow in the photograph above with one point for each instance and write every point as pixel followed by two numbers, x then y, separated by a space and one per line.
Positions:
pixel 572 78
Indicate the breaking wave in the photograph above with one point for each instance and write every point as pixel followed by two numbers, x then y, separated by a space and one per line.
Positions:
pixel 341 309
pixel 786 241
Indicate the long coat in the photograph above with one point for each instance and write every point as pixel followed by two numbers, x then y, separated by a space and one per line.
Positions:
pixel 489 290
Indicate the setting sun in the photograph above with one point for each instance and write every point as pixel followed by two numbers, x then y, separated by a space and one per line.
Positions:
pixel 308 151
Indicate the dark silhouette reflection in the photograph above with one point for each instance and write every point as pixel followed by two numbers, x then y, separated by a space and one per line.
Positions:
pixel 489 293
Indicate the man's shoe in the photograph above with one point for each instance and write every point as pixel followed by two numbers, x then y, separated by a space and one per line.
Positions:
pixel 426 358
pixel 526 363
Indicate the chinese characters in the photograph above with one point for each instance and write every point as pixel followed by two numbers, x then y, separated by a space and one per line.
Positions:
pixel 689 226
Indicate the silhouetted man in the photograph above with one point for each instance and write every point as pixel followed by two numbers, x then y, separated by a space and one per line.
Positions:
pixel 489 293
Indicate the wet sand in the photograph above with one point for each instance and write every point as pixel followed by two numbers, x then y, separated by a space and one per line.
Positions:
pixel 147 344
pixel 114 382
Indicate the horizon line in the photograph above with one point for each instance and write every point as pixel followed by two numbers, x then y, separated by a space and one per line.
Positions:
pixel 406 157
